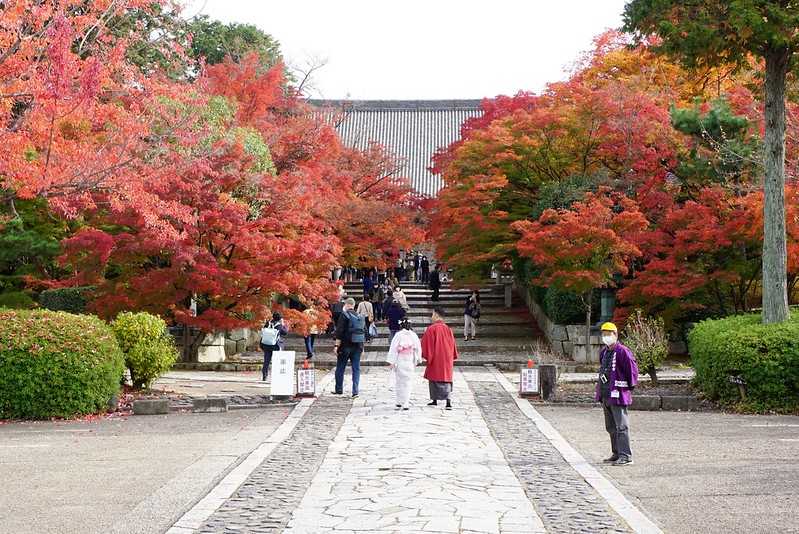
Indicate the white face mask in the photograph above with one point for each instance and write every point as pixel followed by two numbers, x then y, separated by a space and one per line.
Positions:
pixel 608 339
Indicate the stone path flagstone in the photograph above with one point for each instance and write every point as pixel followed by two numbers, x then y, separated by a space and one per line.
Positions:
pixel 422 470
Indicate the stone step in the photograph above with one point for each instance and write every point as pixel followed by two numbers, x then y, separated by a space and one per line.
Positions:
pixel 481 344
pixel 485 330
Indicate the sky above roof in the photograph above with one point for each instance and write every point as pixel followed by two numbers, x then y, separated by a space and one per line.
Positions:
pixel 425 49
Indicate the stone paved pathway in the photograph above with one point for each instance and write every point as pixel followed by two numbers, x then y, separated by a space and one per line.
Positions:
pixel 264 502
pixel 364 467
pixel 563 498
pixel 424 470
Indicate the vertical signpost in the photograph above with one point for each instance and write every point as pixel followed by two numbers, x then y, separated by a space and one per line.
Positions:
pixel 283 373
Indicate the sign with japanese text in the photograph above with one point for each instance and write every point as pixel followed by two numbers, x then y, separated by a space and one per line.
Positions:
pixel 528 383
pixel 283 372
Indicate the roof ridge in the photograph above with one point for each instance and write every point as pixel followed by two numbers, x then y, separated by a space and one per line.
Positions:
pixel 398 105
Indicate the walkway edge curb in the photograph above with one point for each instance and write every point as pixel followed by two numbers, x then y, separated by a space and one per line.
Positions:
pixel 636 519
pixel 194 518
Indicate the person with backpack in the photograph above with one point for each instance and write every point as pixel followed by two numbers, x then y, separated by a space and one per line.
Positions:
pixel 404 355
pixel 366 310
pixel 471 313
pixel 350 337
pixel 271 340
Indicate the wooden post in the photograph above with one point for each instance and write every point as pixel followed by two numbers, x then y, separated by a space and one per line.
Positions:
pixel 548 374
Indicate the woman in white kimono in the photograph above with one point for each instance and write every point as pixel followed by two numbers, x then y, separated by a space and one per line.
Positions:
pixel 405 354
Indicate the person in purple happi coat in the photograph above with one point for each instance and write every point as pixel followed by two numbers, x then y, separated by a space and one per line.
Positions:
pixel 618 376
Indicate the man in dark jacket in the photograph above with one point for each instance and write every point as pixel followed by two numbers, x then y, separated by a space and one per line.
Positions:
pixel 435 283
pixel 395 313
pixel 347 350
pixel 425 265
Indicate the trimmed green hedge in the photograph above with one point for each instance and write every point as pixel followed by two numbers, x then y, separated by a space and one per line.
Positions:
pixel 55 364
pixel 765 356
pixel 68 299
pixel 17 300
pixel 149 349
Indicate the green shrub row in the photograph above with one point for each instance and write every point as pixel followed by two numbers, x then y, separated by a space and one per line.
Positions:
pixel 766 357
pixel 20 300
pixel 55 364
pixel 68 299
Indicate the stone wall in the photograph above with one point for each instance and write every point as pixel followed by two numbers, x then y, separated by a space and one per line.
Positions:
pixel 218 346
pixel 564 339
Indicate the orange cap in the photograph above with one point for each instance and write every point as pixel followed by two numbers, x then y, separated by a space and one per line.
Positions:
pixel 305 364
pixel 530 363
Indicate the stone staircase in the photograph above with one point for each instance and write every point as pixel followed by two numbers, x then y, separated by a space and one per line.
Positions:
pixel 505 336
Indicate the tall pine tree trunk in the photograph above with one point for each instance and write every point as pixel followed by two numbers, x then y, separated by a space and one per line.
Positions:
pixel 775 287
pixel 587 302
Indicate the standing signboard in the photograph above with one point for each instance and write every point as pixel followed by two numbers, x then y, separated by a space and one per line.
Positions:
pixel 306 381
pixel 529 384
pixel 283 373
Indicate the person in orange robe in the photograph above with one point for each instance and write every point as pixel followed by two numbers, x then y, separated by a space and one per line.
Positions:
pixel 438 348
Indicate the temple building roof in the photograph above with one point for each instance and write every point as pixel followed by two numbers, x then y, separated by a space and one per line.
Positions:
pixel 411 129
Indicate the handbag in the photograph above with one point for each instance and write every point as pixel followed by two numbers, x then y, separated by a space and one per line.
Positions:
pixel 373 330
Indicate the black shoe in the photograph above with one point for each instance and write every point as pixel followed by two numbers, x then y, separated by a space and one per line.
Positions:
pixel 448 406
pixel 432 403
pixel 398 405
pixel 623 461
pixel 610 460
pixel 405 409
pixel 355 395
pixel 309 357
pixel 338 393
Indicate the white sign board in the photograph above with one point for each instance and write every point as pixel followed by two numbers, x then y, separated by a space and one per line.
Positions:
pixel 528 385
pixel 283 373
pixel 306 382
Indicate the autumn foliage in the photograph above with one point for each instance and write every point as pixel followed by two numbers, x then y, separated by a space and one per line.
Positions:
pixel 200 198
pixel 636 172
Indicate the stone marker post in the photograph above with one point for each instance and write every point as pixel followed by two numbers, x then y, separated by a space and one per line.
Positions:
pixel 548 374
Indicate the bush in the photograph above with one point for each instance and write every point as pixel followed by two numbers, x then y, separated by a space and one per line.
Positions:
pixel 68 299
pixel 646 337
pixel 565 307
pixel 55 364
pixel 765 356
pixel 16 300
pixel 148 347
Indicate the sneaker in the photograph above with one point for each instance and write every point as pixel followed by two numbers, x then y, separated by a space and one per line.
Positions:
pixel 355 395
pixel 432 403
pixel 610 460
pixel 338 393
pixel 405 409
pixel 398 405
pixel 623 461
pixel 448 406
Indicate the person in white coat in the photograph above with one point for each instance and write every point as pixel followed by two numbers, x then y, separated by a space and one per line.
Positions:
pixel 404 355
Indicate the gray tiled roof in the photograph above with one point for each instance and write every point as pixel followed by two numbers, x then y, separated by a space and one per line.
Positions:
pixel 411 129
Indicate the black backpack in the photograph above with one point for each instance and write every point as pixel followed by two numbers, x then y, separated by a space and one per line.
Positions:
pixel 356 327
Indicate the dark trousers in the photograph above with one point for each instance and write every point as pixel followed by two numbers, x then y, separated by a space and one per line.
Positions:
pixel 309 343
pixel 367 324
pixel 435 293
pixel 617 423
pixel 268 350
pixel 378 308
pixel 350 353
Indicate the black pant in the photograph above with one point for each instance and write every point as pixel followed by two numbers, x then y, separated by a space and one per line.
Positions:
pixel 435 293
pixel 310 339
pixel 268 350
